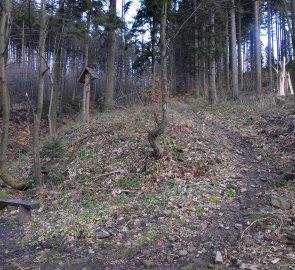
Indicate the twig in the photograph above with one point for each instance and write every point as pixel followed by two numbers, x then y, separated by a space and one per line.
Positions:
pixel 288 144
pixel 184 23
pixel 120 107
pixel 114 190
pixel 279 229
pixel 30 104
pixel 105 174
pixel 261 219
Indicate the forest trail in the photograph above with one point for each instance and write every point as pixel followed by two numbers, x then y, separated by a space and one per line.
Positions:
pixel 219 205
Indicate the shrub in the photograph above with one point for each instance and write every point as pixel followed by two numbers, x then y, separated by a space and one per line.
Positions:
pixel 53 148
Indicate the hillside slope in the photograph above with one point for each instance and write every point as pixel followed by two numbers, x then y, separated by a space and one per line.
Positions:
pixel 209 203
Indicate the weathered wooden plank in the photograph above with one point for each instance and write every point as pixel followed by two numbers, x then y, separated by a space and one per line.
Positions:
pixel 24 203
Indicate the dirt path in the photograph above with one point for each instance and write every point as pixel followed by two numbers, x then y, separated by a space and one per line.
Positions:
pixel 239 193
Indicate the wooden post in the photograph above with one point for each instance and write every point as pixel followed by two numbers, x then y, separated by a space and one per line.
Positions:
pixel 24 214
pixel 86 98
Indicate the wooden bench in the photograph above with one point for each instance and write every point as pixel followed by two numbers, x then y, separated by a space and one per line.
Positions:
pixel 24 208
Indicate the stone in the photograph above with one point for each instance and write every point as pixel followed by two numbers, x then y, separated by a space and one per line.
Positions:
pixel 191 248
pixel 218 258
pixel 259 236
pixel 167 212
pixel 280 203
pixel 253 267
pixel 180 157
pixel 238 226
pixel 172 238
pixel 102 234
pixel 183 252
pixel 148 264
pixel 243 190
pixel 237 176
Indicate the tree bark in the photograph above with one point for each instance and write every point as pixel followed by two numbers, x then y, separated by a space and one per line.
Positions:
pixel 269 44
pixel 212 62
pixel 4 175
pixel 153 43
pixel 227 69
pixel 160 128
pixel 293 24
pixel 196 68
pixel 57 70
pixel 38 114
pixel 23 59
pixel 86 94
pixel 257 48
pixel 240 62
pixel 234 60
pixel 109 99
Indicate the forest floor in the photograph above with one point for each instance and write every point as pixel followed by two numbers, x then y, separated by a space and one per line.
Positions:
pixel 221 197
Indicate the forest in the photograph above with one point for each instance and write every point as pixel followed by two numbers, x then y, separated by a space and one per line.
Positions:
pixel 147 134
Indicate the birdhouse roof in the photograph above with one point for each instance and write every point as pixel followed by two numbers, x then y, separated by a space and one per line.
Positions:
pixel 93 74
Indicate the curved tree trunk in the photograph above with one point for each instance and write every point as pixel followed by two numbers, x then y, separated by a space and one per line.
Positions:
pixel 4 97
pixel 160 128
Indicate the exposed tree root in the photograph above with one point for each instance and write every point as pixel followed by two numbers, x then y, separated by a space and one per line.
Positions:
pixel 152 136
pixel 13 182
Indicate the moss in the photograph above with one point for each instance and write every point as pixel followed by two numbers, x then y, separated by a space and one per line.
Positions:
pixel 3 195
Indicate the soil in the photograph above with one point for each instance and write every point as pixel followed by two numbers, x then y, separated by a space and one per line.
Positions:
pixel 238 222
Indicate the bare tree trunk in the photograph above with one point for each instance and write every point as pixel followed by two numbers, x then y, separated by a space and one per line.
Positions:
pixel 38 114
pixel 257 48
pixel 4 25
pixel 269 44
pixel 212 62
pixel 227 70
pixel 220 74
pixel 292 28
pixel 109 99
pixel 75 56
pixel 160 128
pixel 57 69
pixel 172 68
pixel 204 67
pixel 86 94
pixel 23 44
pixel 197 89
pixel 153 41
pixel 240 63
pixel 234 60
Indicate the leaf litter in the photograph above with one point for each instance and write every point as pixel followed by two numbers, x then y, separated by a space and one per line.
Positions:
pixel 113 206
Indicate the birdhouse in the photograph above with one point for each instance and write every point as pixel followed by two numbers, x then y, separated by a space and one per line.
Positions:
pixel 92 73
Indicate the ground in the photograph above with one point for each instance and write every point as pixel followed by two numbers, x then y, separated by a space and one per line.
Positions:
pixel 221 196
